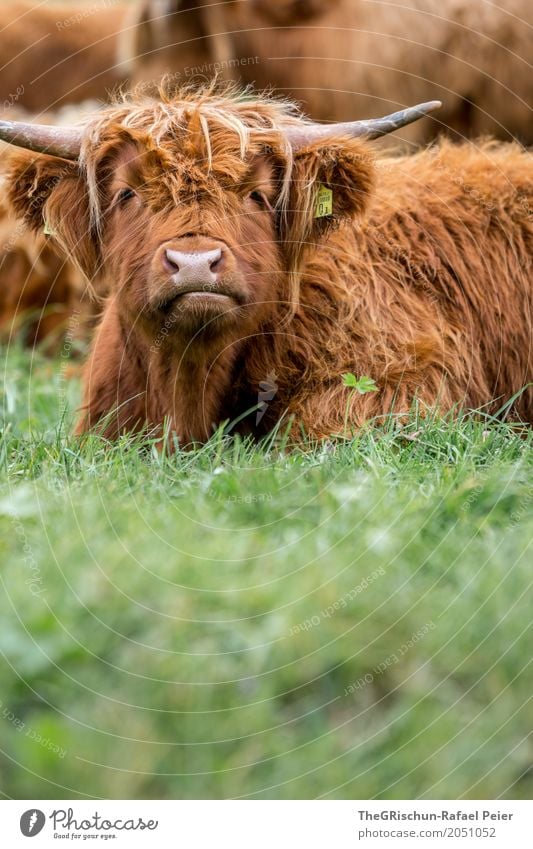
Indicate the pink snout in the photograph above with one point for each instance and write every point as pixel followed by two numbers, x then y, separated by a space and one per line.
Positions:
pixel 195 269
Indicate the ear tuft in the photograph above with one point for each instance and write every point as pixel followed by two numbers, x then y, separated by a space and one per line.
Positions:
pixel 30 181
pixel 346 168
pixel 51 195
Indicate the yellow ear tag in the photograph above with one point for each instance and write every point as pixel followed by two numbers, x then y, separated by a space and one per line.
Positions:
pixel 324 202
pixel 47 229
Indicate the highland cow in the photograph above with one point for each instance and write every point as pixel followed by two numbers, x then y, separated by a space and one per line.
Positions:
pixel 59 53
pixel 186 38
pixel 242 244
pixel 358 58
pixel 39 290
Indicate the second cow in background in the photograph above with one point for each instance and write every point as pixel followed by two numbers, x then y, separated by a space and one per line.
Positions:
pixel 58 53
pixel 355 58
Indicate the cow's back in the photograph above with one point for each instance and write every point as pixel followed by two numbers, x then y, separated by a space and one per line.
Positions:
pixel 438 280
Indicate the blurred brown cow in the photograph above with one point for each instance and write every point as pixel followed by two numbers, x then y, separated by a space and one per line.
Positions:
pixel 187 38
pixel 51 54
pixel 347 59
pixel 60 52
pixel 39 291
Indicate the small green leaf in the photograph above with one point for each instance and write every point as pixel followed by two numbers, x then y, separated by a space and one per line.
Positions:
pixel 360 384
pixel 366 384
pixel 349 379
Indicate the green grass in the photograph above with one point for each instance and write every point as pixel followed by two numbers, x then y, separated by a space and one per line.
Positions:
pixel 348 620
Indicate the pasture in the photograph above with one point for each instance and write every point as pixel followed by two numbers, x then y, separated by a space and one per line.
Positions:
pixel 348 619
pixel 344 617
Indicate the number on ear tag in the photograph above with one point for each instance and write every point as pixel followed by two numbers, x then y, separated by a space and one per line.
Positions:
pixel 324 202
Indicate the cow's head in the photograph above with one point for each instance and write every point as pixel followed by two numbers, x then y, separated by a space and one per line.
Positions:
pixel 197 209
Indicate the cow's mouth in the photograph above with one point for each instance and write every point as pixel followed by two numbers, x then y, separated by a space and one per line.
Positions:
pixel 208 296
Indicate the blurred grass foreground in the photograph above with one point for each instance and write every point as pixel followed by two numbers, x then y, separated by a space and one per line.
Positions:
pixel 350 619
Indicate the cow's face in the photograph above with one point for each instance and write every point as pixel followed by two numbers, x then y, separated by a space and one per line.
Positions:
pixel 197 224
pixel 189 244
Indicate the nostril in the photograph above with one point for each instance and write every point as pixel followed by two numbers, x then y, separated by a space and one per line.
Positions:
pixel 171 261
pixel 215 260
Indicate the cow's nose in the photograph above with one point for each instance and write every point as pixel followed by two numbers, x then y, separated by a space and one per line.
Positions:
pixel 193 266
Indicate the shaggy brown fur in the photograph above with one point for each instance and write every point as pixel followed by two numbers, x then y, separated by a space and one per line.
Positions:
pixel 39 291
pixel 424 283
pixel 59 52
pixel 350 59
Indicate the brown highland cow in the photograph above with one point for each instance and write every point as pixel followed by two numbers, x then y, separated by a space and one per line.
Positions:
pixel 51 54
pixel 39 290
pixel 188 38
pixel 60 52
pixel 357 58
pixel 200 209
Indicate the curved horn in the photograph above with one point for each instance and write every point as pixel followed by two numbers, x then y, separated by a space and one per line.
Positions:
pixel 304 134
pixel 64 142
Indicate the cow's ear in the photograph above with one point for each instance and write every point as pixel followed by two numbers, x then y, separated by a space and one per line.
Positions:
pixel 330 183
pixel 51 195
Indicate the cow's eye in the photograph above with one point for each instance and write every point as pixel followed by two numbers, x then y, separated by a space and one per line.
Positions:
pixel 123 196
pixel 260 199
